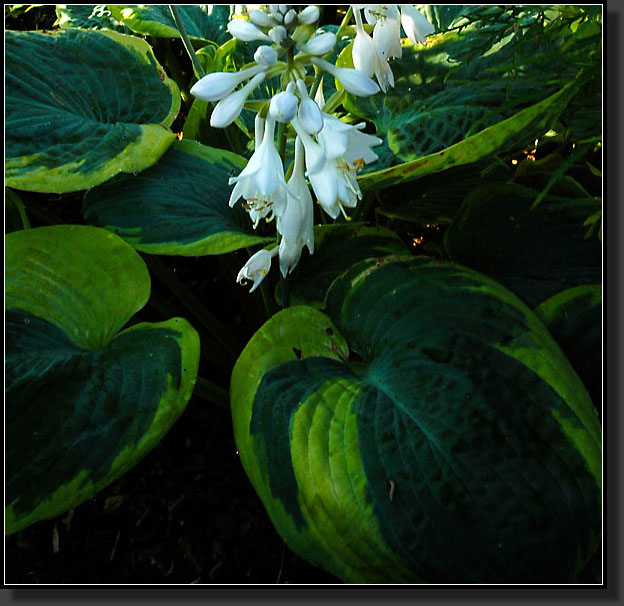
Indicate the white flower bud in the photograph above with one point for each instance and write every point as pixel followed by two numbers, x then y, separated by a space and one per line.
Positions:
pixel 260 18
pixel 319 45
pixel 217 85
pixel 352 80
pixel 265 55
pixel 246 31
pixel 273 8
pixel 229 108
pixel 309 114
pixel 278 34
pixel 283 107
pixel 290 17
pixel 283 8
pixel 309 15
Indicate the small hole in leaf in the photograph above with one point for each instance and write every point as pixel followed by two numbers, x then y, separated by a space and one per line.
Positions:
pixel 329 331
pixel 297 353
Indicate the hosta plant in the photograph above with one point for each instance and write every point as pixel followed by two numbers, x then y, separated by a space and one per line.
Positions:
pixel 410 196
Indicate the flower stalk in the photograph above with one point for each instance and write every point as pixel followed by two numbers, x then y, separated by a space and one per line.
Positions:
pixel 199 70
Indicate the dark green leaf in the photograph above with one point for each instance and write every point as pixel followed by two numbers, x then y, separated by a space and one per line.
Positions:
pixel 449 442
pixel 535 253
pixel 179 206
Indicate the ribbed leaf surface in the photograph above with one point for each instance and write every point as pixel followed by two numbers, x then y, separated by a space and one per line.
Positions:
pixel 82 106
pixel 179 206
pixel 83 403
pixel 449 442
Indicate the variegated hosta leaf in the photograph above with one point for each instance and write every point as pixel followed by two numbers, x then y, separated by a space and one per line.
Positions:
pixel 429 429
pixel 82 106
pixel 203 22
pixel 179 206
pixel 84 402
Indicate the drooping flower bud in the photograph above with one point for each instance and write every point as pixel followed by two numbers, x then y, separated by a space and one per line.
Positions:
pixel 309 114
pixel 265 55
pixel 309 15
pixel 229 108
pixel 217 85
pixel 246 31
pixel 283 107
pixel 260 18
pixel 319 45
pixel 352 80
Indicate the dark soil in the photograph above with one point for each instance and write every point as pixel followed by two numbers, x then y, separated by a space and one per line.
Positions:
pixel 186 514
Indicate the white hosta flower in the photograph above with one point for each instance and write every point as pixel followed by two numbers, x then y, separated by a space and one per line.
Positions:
pixel 309 114
pixel 229 108
pixel 367 59
pixel 265 55
pixel 332 180
pixel 217 85
pixel 309 15
pixel 387 33
pixel 296 225
pixel 257 268
pixel 339 139
pixel 261 183
pixel 352 80
pixel 415 24
pixel 283 106
pixel 318 45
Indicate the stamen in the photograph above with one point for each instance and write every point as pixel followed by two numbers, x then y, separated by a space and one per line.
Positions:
pixel 359 163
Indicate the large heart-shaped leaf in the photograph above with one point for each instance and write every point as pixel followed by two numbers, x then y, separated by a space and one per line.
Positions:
pixel 84 402
pixel 536 252
pixel 203 22
pixel 574 318
pixel 179 206
pixel 82 106
pixel 430 429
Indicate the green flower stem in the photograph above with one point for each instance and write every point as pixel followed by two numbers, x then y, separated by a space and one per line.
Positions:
pixel 219 332
pixel 199 70
pixel 178 76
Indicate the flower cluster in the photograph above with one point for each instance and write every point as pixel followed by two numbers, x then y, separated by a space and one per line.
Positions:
pixel 371 54
pixel 328 152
